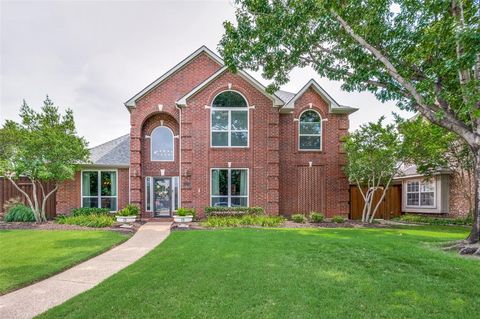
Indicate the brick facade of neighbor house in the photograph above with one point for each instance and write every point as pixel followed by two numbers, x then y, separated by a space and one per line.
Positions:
pixel 462 194
pixel 281 178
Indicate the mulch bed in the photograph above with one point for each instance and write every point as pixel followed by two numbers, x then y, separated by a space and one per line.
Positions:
pixel 51 225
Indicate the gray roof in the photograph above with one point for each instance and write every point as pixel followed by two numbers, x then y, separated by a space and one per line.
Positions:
pixel 112 153
pixel 284 95
pixel 411 171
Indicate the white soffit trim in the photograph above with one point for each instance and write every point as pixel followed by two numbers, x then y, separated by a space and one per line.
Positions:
pixel 203 49
pixel 276 100
pixel 334 107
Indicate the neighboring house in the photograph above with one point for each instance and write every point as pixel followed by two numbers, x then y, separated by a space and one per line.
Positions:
pixel 446 192
pixel 202 136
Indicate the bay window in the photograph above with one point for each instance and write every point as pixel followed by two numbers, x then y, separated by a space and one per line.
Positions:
pixel 229 187
pixel 99 189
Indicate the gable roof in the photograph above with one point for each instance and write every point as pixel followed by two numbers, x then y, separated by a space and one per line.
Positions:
pixel 114 153
pixel 203 49
pixel 334 107
pixel 276 100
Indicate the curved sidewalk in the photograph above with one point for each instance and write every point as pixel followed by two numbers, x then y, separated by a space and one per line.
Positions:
pixel 37 298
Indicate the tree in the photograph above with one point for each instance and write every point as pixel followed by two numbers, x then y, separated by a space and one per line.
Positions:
pixel 374 157
pixel 431 147
pixel 423 54
pixel 43 148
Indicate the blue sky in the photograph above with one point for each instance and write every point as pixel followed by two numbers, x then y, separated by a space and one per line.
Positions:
pixel 92 56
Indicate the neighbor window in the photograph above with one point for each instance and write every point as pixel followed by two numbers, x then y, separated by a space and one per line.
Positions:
pixel 310 131
pixel 161 144
pixel 229 120
pixel 421 193
pixel 229 187
pixel 99 189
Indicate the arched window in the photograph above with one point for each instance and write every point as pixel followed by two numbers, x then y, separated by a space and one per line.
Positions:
pixel 229 120
pixel 161 144
pixel 310 131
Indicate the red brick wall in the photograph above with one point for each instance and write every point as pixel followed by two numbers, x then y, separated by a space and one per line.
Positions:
pixel 326 164
pixel 69 192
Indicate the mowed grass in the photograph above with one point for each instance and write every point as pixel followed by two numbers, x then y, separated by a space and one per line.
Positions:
pixel 291 273
pixel 30 255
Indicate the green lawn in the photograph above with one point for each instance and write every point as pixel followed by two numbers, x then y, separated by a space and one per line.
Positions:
pixel 294 273
pixel 30 255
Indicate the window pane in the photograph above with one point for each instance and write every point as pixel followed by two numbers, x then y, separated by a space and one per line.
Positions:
pixel 220 182
pixel 309 142
pixel 175 193
pixel 412 199
pixel 412 186
pixel 219 139
pixel 239 139
pixel 90 183
pixel 426 199
pixel 219 201
pixel 148 195
pixel 108 183
pixel 238 182
pixel 162 144
pixel 229 99
pixel 239 120
pixel 427 187
pixel 220 120
pixel 90 202
pixel 310 128
pixel 310 116
pixel 239 201
pixel 110 203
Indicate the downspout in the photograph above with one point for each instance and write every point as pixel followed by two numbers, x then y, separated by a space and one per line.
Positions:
pixel 179 156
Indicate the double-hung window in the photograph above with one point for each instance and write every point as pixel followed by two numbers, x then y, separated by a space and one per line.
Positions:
pixel 229 187
pixel 229 120
pixel 99 189
pixel 421 193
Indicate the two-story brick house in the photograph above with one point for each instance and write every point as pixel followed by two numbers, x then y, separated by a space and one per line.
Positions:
pixel 202 136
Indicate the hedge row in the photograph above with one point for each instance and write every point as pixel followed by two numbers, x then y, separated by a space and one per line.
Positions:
pixel 233 211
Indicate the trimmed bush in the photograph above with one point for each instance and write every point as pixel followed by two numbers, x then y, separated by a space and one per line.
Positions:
pixel 89 211
pixel 316 217
pixel 338 219
pixel 89 220
pixel 19 213
pixel 299 218
pixel 186 212
pixel 246 220
pixel 129 210
pixel 435 221
pixel 233 211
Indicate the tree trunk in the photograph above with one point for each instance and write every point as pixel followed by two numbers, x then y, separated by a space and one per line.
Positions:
pixel 475 232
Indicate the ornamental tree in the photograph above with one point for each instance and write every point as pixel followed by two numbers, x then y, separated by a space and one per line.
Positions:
pixel 374 157
pixel 423 54
pixel 43 147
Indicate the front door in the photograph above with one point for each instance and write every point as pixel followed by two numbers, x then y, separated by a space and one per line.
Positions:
pixel 162 196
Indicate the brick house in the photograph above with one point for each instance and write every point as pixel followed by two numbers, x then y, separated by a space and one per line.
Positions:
pixel 202 136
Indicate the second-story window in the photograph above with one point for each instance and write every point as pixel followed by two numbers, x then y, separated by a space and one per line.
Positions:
pixel 310 131
pixel 229 120
pixel 161 144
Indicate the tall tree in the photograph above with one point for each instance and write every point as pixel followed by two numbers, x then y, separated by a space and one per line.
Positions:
pixel 424 54
pixel 43 147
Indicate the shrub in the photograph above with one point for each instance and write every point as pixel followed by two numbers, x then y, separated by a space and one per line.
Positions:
pixel 436 221
pixel 19 213
pixel 89 220
pixel 233 211
pixel 186 212
pixel 299 218
pixel 246 220
pixel 317 217
pixel 338 219
pixel 129 210
pixel 89 211
pixel 13 201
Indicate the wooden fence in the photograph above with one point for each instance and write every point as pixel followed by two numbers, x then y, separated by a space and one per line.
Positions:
pixel 7 191
pixel 391 205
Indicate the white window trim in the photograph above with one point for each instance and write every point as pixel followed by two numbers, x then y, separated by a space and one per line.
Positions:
pixel 300 134
pixel 99 180
pixel 229 181
pixel 149 182
pixel 229 128
pixel 420 182
pixel 151 144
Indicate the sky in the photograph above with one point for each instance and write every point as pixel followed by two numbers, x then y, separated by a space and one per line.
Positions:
pixel 92 56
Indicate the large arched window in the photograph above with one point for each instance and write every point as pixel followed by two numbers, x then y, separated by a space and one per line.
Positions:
pixel 161 144
pixel 310 131
pixel 229 120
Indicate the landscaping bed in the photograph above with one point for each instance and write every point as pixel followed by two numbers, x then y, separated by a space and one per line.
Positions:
pixel 53 225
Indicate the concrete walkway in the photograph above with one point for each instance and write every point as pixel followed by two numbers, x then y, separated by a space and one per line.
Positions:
pixel 37 298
